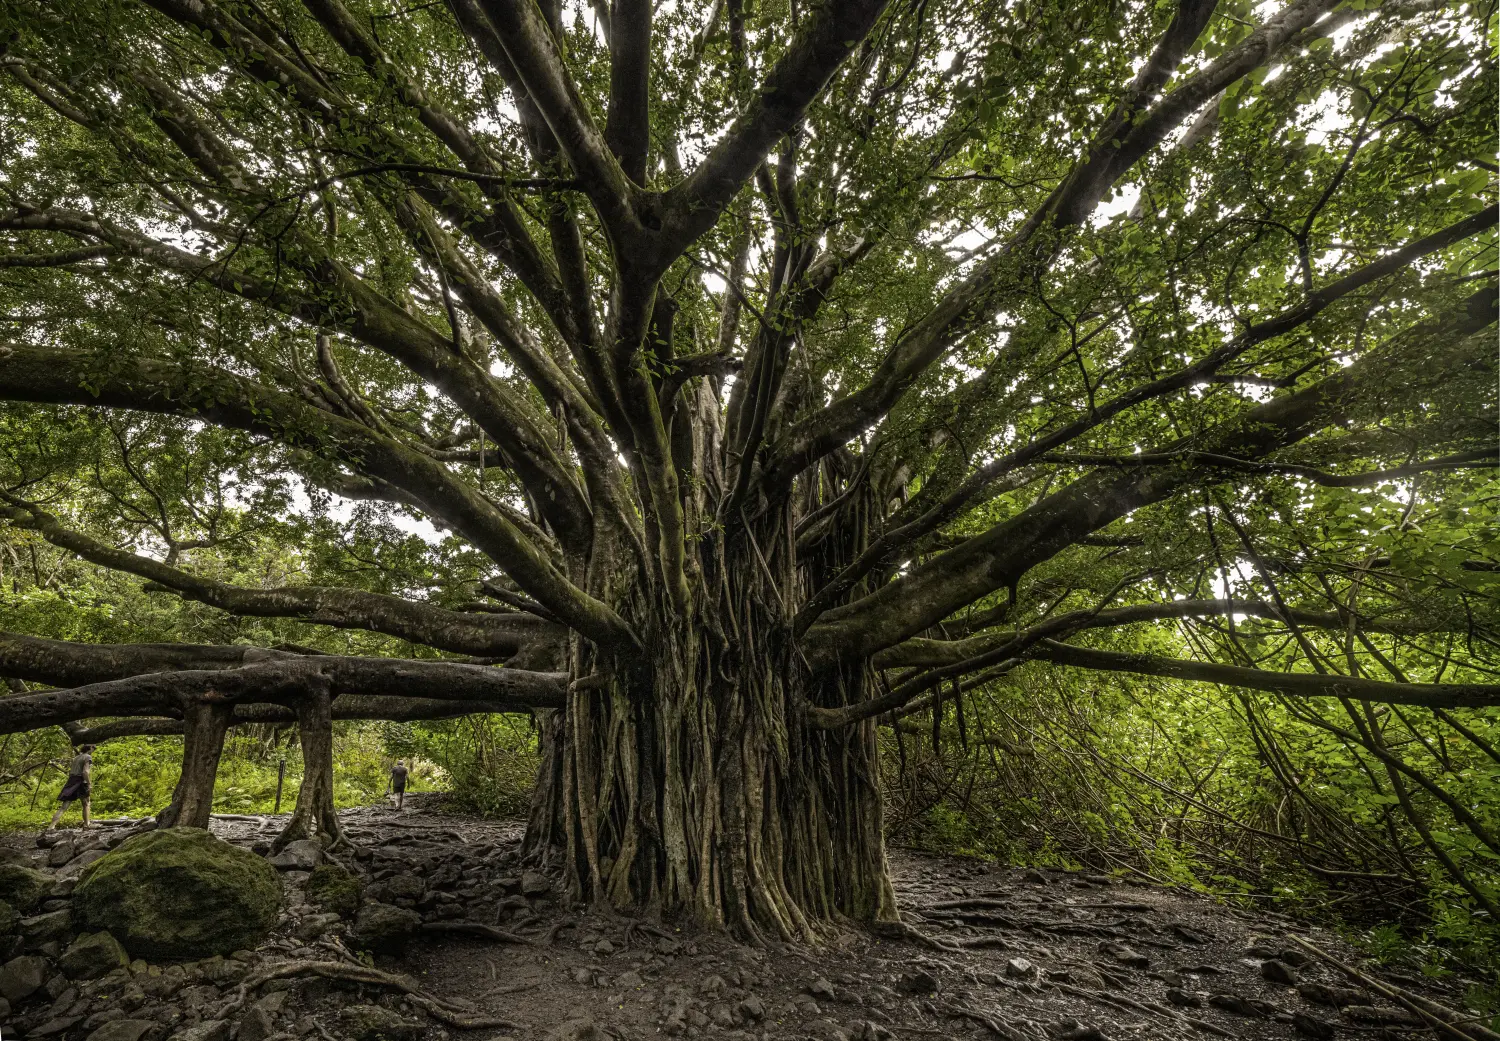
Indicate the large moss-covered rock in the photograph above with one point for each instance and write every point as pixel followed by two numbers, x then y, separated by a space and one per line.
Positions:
pixel 334 889
pixel 179 893
pixel 22 887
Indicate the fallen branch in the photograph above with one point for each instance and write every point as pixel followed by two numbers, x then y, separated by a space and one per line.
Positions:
pixel 1444 1020
pixel 446 1012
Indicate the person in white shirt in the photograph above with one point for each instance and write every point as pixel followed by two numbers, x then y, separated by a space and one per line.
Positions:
pixel 80 775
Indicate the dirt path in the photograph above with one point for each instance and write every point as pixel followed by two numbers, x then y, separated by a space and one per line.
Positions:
pixel 1017 955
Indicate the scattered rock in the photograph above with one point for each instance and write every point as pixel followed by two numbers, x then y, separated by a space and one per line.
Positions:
pixel 384 929
pixel 314 926
pixel 1183 998
pixel 919 982
pixel 74 868
pixel 123 1030
pixel 1277 971
pixel 257 1025
pixel 821 988
pixel 752 1009
pixel 209 1030
pixel 1020 969
pixel 22 977
pixel 22 887
pixel 534 883
pixel 1311 1026
pixel 54 925
pixel 1251 1007
pixel 1331 997
pixel 92 955
pixel 1124 955
pixel 180 893
pixel 300 855
pixel 334 889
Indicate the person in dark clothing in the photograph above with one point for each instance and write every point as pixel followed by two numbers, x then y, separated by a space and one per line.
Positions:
pixel 80 775
pixel 398 782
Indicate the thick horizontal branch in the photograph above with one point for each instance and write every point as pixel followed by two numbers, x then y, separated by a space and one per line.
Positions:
pixel 1297 684
pixel 59 376
pixel 286 680
pixel 482 635
pixel 63 663
pixel 925 653
pixel 1478 459
pixel 348 706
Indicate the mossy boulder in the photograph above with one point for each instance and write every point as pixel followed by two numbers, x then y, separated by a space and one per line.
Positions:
pixel 23 887
pixel 179 893
pixel 334 889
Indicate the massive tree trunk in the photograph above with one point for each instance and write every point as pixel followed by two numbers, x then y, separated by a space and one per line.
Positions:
pixel 205 723
pixel 314 816
pixel 685 779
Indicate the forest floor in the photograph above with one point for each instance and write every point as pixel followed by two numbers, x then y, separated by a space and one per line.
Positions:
pixel 1015 954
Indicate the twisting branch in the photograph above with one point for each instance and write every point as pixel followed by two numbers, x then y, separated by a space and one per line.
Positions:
pixel 483 635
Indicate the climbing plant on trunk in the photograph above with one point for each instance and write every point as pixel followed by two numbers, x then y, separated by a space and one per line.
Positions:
pixel 788 368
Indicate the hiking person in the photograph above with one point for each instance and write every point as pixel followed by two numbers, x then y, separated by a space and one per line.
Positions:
pixel 398 782
pixel 80 774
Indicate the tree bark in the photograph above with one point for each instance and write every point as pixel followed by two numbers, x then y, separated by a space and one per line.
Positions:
pixel 205 723
pixel 314 816
pixel 685 781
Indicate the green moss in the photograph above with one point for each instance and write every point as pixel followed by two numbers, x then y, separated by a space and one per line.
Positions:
pixel 22 887
pixel 179 893
pixel 334 889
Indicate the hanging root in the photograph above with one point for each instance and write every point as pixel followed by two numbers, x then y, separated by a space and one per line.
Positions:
pixel 446 1012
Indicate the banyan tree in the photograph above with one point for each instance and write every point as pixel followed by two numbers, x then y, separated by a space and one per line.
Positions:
pixel 791 368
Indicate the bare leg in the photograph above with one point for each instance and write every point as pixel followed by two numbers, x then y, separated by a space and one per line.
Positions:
pixel 401 799
pixel 62 808
pixel 86 823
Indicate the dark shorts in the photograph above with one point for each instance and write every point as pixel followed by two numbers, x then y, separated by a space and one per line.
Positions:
pixel 398 789
pixel 76 788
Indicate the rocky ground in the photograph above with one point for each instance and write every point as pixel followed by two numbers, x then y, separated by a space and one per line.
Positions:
pixel 472 946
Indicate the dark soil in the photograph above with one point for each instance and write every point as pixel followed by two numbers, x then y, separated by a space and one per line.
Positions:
pixel 1014 954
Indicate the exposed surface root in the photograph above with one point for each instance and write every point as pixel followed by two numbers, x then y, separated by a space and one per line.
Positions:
pixel 911 934
pixel 446 1012
pixel 478 929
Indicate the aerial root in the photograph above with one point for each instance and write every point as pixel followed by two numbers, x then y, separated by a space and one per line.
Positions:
pixel 447 1012
pixel 479 929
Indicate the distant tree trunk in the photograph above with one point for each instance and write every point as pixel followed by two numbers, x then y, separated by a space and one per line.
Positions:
pixel 204 725
pixel 314 815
